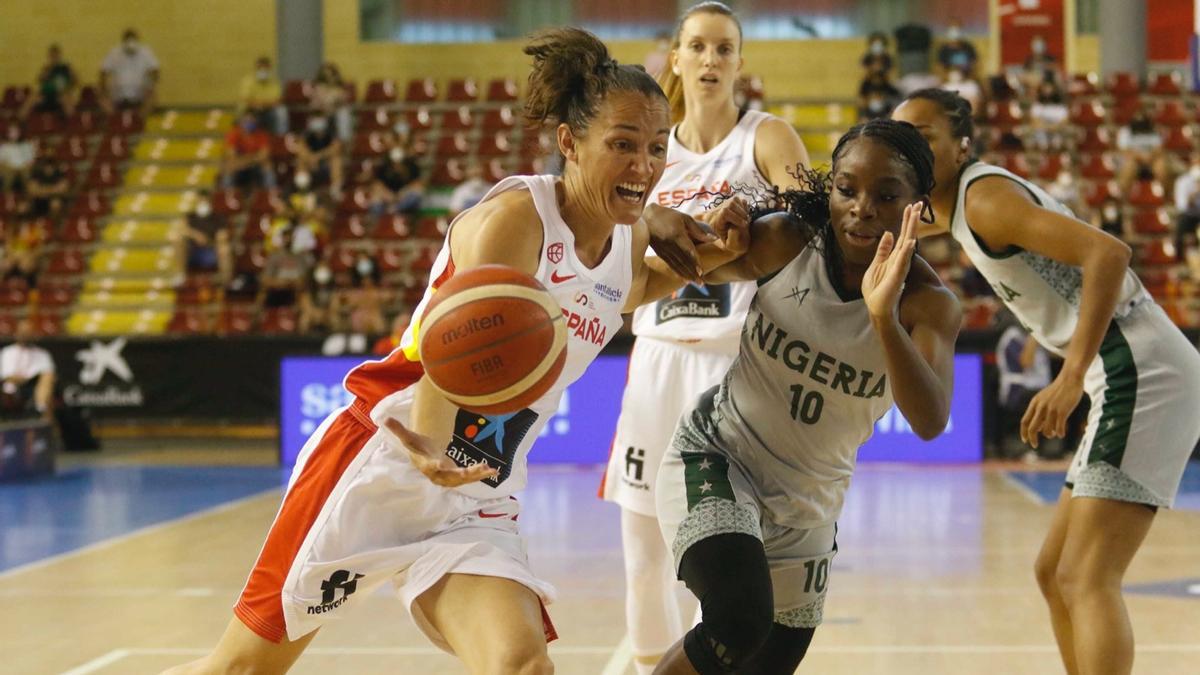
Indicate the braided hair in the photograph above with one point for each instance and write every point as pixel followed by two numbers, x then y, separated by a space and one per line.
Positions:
pixel 956 109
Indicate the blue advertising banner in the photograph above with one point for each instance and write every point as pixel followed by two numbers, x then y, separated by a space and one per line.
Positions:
pixel 581 431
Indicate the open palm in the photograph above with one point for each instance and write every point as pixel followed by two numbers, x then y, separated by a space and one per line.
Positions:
pixel 884 280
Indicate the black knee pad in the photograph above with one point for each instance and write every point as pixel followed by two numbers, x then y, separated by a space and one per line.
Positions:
pixel 729 574
pixel 782 653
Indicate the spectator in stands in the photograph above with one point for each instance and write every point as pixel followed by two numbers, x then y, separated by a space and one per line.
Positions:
pixel 388 343
pixel 129 75
pixel 320 153
pixel 246 160
pixel 284 275
pixel 16 159
pixel 1040 65
pixel 397 186
pixel 960 81
pixel 1111 218
pixel 1189 252
pixel 1141 151
pixel 319 301
pixel 330 98
pixel 876 59
pixel 876 96
pixel 1066 190
pixel 468 193
pixel 26 376
pixel 365 299
pixel 1048 116
pixel 48 186
pixel 956 53
pixel 207 241
pixel 913 42
pixel 55 86
pixel 261 95
pixel 656 61
pixel 23 252
pixel 1187 198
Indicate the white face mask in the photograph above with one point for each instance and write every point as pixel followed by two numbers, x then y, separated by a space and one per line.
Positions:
pixel 262 74
pixel 303 180
pixel 1038 46
pixel 396 154
pixel 318 124
pixel 1194 170
pixel 203 209
pixel 954 33
pixel 131 46
pixel 400 128
pixel 364 266
pixel 954 76
pixel 1064 178
pixel 1111 213
pixel 877 48
pixel 322 274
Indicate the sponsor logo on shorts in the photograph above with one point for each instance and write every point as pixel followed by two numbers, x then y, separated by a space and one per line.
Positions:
pixel 694 301
pixel 340 580
pixel 489 439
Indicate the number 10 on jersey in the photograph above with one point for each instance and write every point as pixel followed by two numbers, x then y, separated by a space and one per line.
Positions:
pixel 806 406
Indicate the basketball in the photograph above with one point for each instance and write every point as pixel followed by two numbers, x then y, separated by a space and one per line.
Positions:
pixel 493 340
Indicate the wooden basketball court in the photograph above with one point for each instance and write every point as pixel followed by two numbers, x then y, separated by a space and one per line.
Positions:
pixel 934 574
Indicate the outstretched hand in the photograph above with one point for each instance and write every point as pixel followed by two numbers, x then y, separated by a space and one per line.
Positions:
pixel 673 236
pixel 884 281
pixel 433 462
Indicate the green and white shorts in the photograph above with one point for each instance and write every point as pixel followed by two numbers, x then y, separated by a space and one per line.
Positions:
pixel 1144 420
pixel 701 494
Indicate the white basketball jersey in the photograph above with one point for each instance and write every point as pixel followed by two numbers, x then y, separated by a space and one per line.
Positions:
pixel 808 385
pixel 1043 293
pixel 591 301
pixel 712 312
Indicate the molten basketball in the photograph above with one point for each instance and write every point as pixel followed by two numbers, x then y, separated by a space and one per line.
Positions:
pixel 493 340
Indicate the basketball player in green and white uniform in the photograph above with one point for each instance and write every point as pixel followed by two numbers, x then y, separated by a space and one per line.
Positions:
pixel 1070 284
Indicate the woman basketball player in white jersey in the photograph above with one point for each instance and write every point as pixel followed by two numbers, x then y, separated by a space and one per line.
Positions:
pixel 1070 284
pixel 687 341
pixel 430 509
pixel 845 321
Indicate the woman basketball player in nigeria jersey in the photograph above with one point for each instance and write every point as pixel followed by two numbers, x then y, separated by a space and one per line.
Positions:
pixel 392 489
pixel 845 321
pixel 1070 284
pixel 687 341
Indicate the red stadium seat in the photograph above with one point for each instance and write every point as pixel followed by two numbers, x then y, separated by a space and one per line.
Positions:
pixel 343 260
pixel 43 124
pixel 447 173
pixel 1167 83
pixel 85 122
pixel 14 98
pixel 8 323
pixel 251 260
pixel 380 91
pixel 1124 109
pixel 190 321
pixel 1158 252
pixel 392 259
pixel 421 90
pixel 354 201
pixel 1005 115
pixel 258 226
pixel 1180 140
pixel 72 148
pixel 1097 166
pixel 373 119
pixel 89 99
pixel 103 175
pixel 226 202
pixel 1016 163
pixel 10 203
pixel 494 144
pixel 432 227
pixel 79 230
pixel 1087 113
pixel 197 289
pixel 125 122
pixel 418 119
pixel 55 294
pixel 392 227
pixel 462 90
pixel 47 324
pixel 1152 221
pixel 13 295
pixel 1007 141
pixel 1123 85
pixel 113 149
pixel 458 120
pixel 1003 87
pixel 1095 139
pixel 454 145
pixel 1171 113
pixel 370 144
pixel 496 170
pixel 499 118
pixel 1052 164
pixel 236 319
pixel 530 166
pixel 1146 193
pixel 349 227
pixel 1102 191
pixel 351 90
pixel 297 93
pixel 90 203
pixel 281 320
pixel 502 90
pixel 66 262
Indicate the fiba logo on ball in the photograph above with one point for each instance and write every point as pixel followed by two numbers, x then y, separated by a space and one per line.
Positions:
pixel 554 252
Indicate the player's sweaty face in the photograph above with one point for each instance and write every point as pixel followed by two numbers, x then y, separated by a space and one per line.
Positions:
pixel 871 187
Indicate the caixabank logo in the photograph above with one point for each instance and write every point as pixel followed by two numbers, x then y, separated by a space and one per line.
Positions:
pixel 491 439
pixel 698 301
pixel 105 378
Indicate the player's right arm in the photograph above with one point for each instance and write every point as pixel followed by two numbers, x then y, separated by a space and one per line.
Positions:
pixel 502 231
pixel 775 239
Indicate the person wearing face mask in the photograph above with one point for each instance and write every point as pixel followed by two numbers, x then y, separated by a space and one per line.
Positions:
pixel 129 75
pixel 246 158
pixel 1141 151
pixel 397 186
pixel 877 59
pixel 876 96
pixel 16 159
pixel 956 52
pixel 959 82
pixel 330 99
pixel 363 302
pixel 261 95
pixel 1048 116
pixel 47 187
pixel 1187 197
pixel 321 152
pixel 284 275
pixel 318 302
pixel 55 86
pixel 1111 218
pixel 1066 189
pixel 206 240
pixel 1040 65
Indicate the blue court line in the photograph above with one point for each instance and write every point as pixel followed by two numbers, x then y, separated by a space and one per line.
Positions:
pixel 85 506
pixel 1047 484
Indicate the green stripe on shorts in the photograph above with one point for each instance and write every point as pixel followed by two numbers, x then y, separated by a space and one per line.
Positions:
pixel 705 475
pixel 1120 398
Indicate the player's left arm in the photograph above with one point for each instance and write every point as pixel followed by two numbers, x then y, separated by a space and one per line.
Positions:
pixel 777 151
pixel 1003 214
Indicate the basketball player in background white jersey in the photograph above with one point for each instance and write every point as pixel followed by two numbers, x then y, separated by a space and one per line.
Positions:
pixel 687 341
